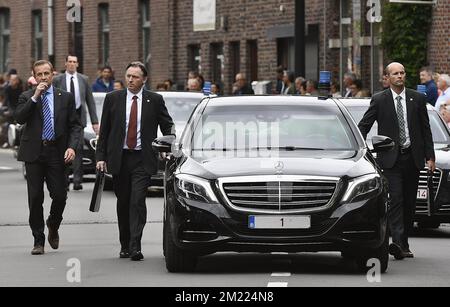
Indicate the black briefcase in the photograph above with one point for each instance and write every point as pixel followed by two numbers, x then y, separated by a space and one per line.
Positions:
pixel 97 193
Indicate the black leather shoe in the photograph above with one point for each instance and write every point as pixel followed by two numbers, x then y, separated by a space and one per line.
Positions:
pixel 137 256
pixel 408 254
pixel 396 251
pixel 37 250
pixel 124 254
pixel 53 236
pixel 77 187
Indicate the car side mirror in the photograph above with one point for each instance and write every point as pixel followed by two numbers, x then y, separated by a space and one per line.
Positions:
pixel 164 143
pixel 382 143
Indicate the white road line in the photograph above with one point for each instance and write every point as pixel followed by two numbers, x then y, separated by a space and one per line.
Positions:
pixel 281 274
pixel 4 168
pixel 277 284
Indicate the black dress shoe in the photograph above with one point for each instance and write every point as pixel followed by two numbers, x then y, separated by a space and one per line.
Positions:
pixel 408 254
pixel 124 254
pixel 137 256
pixel 77 187
pixel 37 250
pixel 53 236
pixel 396 251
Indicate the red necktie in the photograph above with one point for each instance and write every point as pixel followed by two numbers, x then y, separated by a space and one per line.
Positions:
pixel 132 125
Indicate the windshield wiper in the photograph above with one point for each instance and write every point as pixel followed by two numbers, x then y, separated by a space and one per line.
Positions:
pixel 287 148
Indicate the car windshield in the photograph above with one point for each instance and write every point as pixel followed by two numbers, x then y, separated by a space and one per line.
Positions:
pixel 284 128
pixel 439 131
pixel 180 108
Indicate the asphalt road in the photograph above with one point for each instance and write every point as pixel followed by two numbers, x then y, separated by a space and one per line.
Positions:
pixel 89 241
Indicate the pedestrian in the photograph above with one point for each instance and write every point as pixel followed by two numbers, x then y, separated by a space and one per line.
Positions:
pixel 335 90
pixel 289 83
pixel 349 79
pixel 298 85
pixel 402 115
pixel 50 136
pixel 215 89
pixel 161 87
pixel 118 85
pixel 279 86
pixel 445 112
pixel 194 85
pixel 129 124
pixel 311 88
pixel 169 84
pixel 78 85
pixel 13 92
pixel 426 77
pixel 104 83
pixel 444 86
pixel 243 88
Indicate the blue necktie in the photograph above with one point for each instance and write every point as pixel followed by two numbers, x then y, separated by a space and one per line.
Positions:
pixel 48 133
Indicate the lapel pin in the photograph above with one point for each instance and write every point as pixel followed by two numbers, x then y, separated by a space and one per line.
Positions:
pixel 148 100
pixel 59 94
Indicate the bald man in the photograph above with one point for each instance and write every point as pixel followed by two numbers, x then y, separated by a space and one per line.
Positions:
pixel 402 115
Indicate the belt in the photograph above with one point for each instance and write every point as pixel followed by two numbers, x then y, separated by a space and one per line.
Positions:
pixel 48 143
pixel 131 151
pixel 404 151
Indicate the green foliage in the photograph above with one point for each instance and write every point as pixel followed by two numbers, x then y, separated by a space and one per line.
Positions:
pixel 404 38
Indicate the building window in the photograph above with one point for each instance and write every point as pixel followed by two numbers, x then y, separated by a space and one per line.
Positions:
pixel 145 31
pixel 4 39
pixel 194 58
pixel 37 35
pixel 252 59
pixel 76 41
pixel 217 63
pixel 235 60
pixel 104 33
pixel 286 53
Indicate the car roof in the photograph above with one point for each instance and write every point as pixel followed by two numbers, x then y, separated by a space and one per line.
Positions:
pixel 267 99
pixel 173 94
pixel 365 102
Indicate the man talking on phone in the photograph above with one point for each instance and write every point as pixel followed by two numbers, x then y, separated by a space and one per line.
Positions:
pixel 49 139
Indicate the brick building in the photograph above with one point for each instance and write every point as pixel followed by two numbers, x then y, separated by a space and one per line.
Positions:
pixel 252 36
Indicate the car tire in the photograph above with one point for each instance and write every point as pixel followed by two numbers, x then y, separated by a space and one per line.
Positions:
pixel 177 260
pixel 428 225
pixel 381 253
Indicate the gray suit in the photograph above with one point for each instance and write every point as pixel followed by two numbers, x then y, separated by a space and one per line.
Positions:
pixel 86 99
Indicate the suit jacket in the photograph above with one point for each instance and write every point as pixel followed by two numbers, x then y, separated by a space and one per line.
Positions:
pixel 67 124
pixel 382 110
pixel 113 125
pixel 86 97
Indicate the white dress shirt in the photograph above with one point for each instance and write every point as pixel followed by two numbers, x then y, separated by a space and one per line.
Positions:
pixel 77 88
pixel 405 115
pixel 130 96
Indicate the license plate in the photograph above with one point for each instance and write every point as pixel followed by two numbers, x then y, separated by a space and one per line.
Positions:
pixel 422 194
pixel 279 222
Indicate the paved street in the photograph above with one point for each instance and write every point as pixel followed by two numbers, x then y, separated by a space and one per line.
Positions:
pixel 92 238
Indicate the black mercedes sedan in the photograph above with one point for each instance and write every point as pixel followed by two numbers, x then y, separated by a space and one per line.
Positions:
pixel 273 174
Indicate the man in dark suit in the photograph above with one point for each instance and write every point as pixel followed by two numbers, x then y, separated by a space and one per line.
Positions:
pixel 49 139
pixel 78 85
pixel 129 124
pixel 402 115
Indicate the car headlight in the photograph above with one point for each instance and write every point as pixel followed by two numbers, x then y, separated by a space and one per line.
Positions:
pixel 361 187
pixel 194 188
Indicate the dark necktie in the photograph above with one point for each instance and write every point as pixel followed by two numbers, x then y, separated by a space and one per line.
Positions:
pixel 72 86
pixel 401 121
pixel 48 132
pixel 132 125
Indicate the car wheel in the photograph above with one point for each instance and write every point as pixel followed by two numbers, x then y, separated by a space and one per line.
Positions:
pixel 177 260
pixel 381 253
pixel 428 225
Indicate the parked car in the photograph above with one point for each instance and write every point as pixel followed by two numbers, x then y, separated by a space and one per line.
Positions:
pixel 431 209
pixel 314 187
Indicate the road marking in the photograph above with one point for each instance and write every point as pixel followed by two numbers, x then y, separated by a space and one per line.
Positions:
pixel 281 274
pixel 277 284
pixel 4 168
